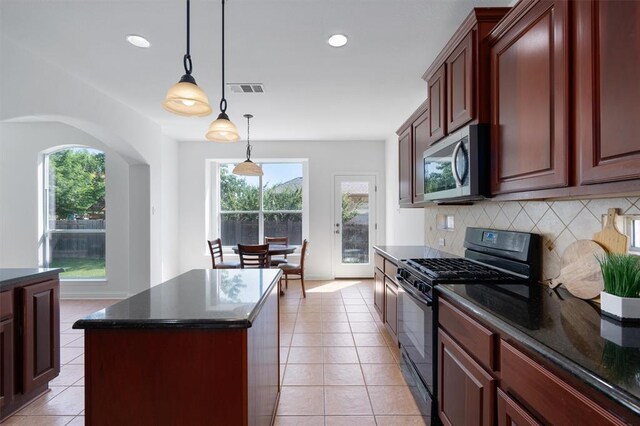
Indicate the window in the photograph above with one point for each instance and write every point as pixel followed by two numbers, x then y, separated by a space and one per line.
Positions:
pixel 74 214
pixel 252 207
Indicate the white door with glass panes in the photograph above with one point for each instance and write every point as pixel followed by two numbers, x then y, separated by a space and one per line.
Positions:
pixel 354 226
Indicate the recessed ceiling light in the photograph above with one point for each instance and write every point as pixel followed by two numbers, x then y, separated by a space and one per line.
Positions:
pixel 138 41
pixel 337 40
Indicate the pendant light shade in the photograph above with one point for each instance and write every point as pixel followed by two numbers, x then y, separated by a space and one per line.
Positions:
pixel 185 97
pixel 222 129
pixel 248 167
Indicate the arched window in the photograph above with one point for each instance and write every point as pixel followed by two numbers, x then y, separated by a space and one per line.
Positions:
pixel 75 214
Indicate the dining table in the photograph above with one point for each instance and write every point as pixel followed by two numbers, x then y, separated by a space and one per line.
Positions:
pixel 275 249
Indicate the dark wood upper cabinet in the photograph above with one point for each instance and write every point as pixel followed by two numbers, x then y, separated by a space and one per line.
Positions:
pixel 41 345
pixel 405 170
pixel 466 393
pixel 420 144
pixel 607 93
pixel 530 119
pixel 437 100
pixel 458 81
pixel 459 67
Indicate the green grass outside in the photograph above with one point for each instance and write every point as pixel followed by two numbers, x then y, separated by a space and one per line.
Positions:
pixel 80 268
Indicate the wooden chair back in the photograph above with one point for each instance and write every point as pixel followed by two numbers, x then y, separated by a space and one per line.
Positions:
pixel 303 254
pixel 215 248
pixel 278 241
pixel 254 256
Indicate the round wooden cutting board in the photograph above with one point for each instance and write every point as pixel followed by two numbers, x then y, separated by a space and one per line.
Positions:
pixel 580 271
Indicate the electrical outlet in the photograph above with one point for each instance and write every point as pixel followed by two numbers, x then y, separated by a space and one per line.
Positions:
pixel 441 242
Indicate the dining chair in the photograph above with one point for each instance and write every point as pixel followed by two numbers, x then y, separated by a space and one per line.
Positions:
pixel 215 248
pixel 254 256
pixel 280 241
pixel 296 271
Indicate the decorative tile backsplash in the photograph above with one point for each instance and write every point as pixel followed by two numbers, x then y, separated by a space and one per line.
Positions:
pixel 559 222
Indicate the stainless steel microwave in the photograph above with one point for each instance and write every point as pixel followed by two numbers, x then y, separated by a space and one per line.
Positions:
pixel 456 169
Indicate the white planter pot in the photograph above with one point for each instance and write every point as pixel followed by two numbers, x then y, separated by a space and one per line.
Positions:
pixel 621 308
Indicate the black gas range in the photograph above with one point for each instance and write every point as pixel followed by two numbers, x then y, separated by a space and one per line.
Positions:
pixel 501 259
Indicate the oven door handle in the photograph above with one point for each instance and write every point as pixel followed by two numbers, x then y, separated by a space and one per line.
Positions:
pixel 428 300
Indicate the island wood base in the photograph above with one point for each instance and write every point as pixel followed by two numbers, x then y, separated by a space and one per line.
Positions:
pixel 184 376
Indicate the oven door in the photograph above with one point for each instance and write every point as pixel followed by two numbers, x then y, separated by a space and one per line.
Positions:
pixel 415 332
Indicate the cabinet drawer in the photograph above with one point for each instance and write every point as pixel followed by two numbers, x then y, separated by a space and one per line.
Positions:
pixel 546 394
pixel 6 304
pixel 511 413
pixel 474 337
pixel 390 269
pixel 379 261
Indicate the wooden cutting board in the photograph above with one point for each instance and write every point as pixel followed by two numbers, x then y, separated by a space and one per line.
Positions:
pixel 580 271
pixel 610 238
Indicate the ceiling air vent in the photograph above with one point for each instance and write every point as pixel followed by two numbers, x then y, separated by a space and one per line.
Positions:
pixel 246 87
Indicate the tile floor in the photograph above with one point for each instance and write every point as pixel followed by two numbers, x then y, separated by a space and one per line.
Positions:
pixel 339 366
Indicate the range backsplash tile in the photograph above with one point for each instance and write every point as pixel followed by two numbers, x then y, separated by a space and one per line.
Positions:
pixel 559 222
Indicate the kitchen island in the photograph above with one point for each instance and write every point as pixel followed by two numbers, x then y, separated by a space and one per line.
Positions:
pixel 201 348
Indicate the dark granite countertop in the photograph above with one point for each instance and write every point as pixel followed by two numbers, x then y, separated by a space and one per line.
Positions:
pixel 397 253
pixel 11 277
pixel 566 331
pixel 200 298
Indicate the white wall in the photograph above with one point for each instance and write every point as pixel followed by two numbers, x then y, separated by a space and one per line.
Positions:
pixel 21 148
pixel 326 159
pixel 404 226
pixel 32 89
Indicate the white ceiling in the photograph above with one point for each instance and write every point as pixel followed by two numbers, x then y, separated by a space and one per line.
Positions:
pixel 362 91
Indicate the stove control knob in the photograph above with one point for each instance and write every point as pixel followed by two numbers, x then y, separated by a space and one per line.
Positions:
pixel 403 273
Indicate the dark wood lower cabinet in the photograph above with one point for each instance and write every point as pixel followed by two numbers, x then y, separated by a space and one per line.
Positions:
pixel 41 328
pixel 391 308
pixel 545 394
pixel 529 392
pixel 510 413
pixel 378 293
pixel 29 340
pixel 466 392
pixel 6 362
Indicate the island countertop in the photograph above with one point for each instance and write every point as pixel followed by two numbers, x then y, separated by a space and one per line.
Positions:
pixel 200 298
pixel 10 277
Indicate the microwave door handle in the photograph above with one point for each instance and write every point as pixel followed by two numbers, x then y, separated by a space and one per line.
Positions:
pixel 454 164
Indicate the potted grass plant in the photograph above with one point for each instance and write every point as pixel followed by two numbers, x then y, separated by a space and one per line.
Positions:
pixel 621 296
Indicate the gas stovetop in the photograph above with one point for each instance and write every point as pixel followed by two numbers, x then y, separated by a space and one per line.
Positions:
pixel 454 270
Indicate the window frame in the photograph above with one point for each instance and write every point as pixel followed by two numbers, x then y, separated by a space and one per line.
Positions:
pixel 45 251
pixel 216 208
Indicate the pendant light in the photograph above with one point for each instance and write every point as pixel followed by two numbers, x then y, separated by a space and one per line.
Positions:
pixel 222 129
pixel 185 97
pixel 248 167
